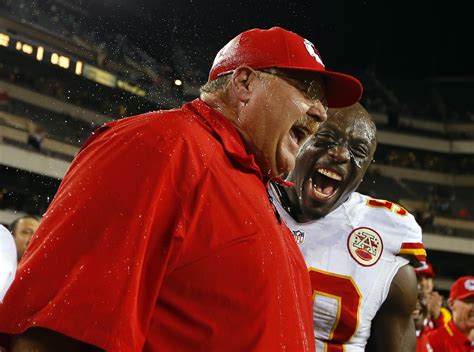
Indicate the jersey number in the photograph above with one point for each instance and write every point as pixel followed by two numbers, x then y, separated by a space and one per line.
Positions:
pixel 393 207
pixel 336 305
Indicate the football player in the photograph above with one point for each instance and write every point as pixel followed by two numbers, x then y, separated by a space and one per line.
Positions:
pixel 357 249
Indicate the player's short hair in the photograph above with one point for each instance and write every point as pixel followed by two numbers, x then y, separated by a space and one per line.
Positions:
pixel 12 226
pixel 219 84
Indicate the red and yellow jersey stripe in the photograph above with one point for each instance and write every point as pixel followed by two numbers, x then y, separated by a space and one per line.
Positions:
pixel 416 250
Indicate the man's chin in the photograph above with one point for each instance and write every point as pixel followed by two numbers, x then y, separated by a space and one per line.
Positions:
pixel 312 209
pixel 284 166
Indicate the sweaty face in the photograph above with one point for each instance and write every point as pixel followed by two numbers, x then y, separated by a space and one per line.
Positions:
pixel 279 118
pixel 23 231
pixel 463 313
pixel 332 163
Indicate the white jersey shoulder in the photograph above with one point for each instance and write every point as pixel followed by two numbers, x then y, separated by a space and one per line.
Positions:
pixel 352 255
pixel 8 259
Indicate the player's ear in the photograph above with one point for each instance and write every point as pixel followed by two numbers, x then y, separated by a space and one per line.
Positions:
pixel 242 83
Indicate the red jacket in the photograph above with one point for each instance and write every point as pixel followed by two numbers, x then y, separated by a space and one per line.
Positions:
pixel 449 339
pixel 422 343
pixel 432 324
pixel 161 237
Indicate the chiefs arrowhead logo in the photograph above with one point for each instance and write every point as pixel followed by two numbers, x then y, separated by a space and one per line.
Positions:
pixel 365 246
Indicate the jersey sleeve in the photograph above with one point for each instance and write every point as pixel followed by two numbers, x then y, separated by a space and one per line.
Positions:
pixel 94 268
pixel 412 245
pixel 8 258
pixel 407 239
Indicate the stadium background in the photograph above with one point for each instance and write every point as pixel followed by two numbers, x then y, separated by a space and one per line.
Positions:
pixel 67 66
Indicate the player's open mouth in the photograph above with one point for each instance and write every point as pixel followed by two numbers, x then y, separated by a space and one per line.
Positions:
pixel 325 183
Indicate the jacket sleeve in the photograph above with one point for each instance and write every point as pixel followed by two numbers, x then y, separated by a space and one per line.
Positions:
pixel 95 267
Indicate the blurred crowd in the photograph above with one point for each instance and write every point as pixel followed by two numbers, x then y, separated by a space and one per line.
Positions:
pixel 79 91
pixel 427 100
pixel 113 50
pixel 443 324
pixel 424 160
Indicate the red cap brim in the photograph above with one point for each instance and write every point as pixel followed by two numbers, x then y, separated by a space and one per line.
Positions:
pixel 464 295
pixel 341 90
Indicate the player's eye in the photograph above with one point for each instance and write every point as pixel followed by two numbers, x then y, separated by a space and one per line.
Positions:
pixel 360 151
pixel 325 135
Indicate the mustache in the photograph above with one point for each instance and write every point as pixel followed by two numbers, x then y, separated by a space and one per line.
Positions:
pixel 307 123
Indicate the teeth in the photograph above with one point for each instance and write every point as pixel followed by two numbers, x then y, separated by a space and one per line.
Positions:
pixel 330 174
pixel 323 193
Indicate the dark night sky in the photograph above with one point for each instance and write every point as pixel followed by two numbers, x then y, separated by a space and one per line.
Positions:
pixel 416 39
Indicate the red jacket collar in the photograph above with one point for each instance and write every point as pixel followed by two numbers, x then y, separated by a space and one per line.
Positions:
pixel 230 138
pixel 454 331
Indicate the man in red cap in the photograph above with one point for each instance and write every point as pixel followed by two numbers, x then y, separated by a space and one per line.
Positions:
pixel 436 315
pixel 162 237
pixel 458 334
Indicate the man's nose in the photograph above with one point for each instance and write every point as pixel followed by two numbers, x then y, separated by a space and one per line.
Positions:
pixel 340 154
pixel 318 111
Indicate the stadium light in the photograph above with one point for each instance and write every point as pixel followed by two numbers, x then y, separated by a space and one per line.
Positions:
pixel 27 49
pixel 4 39
pixel 78 69
pixel 39 53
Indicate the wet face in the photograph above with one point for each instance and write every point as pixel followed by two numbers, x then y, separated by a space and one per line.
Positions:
pixel 22 233
pixel 332 163
pixel 426 283
pixel 283 111
pixel 463 313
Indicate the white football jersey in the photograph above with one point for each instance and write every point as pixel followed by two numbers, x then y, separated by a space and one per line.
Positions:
pixel 352 255
pixel 8 258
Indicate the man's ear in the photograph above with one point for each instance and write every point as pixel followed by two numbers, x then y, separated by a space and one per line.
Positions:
pixel 242 81
pixel 450 303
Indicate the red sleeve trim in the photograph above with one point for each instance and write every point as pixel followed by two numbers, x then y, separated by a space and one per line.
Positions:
pixel 412 245
pixel 415 249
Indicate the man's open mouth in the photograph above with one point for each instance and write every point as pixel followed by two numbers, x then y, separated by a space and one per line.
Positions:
pixel 325 183
pixel 298 133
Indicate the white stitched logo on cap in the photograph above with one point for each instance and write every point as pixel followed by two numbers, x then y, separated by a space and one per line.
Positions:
pixel 312 51
pixel 469 285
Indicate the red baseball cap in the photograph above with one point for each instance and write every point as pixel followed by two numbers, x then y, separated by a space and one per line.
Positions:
pixel 425 269
pixel 278 48
pixel 462 288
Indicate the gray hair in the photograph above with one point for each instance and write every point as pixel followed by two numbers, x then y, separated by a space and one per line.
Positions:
pixel 219 84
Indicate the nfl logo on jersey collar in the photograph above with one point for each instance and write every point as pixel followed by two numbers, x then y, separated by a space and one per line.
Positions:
pixel 298 235
pixel 365 246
